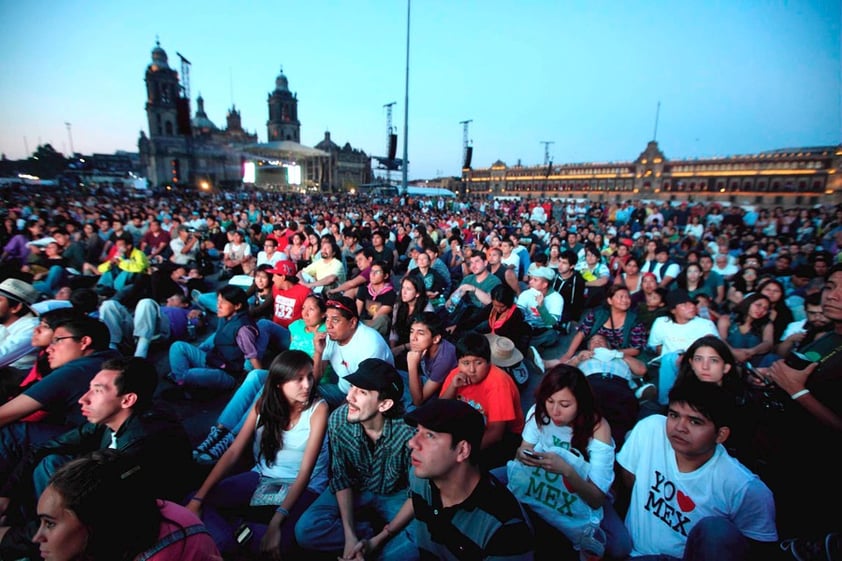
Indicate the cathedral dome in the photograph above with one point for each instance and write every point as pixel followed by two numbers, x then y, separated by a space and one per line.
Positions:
pixel 201 121
pixel 281 83
pixel 159 57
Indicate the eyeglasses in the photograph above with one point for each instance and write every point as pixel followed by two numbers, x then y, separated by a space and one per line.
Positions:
pixel 57 340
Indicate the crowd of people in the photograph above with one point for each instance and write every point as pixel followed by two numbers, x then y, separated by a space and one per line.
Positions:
pixel 470 378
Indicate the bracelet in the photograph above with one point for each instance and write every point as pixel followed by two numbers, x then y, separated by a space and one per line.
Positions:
pixel 803 392
pixel 197 499
pixel 282 510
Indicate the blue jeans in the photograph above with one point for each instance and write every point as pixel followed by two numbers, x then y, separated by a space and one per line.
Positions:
pixel 189 368
pixel 237 409
pixel 320 527
pixel 56 276
pixel 231 494
pixel 269 332
pixel 713 537
pixel 46 468
pixel 667 373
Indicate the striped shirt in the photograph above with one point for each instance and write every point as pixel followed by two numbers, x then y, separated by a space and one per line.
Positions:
pixel 489 524
pixel 355 463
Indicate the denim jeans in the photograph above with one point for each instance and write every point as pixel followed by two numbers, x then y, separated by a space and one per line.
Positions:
pixel 237 409
pixel 713 537
pixel 189 368
pixel 667 374
pixel 270 333
pixel 56 276
pixel 331 394
pixel 320 527
pixel 231 494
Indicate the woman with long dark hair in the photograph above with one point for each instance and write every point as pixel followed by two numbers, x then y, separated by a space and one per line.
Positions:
pixel 748 330
pixel 285 431
pixel 565 418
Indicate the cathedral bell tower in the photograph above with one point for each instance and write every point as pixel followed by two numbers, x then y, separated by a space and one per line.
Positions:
pixel 161 95
pixel 283 123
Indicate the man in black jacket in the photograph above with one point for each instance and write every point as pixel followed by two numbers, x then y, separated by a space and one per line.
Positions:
pixel 118 407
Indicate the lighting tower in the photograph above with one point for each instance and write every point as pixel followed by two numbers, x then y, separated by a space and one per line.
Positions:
pixel 391 142
pixel 546 144
pixel 185 76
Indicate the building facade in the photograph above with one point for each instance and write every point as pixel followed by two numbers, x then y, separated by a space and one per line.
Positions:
pixel 181 151
pixel 789 177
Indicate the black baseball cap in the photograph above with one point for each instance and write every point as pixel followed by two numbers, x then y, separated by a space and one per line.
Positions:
pixel 378 375
pixel 452 416
pixel 678 296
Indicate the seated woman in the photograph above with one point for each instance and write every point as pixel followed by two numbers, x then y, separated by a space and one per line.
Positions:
pixel 376 299
pixel 285 431
pixel 691 280
pixel 80 518
pixel 218 362
pixel 748 330
pixel 259 294
pixel 629 275
pixel 506 319
pixel 565 435
pixel 743 284
pixel 617 322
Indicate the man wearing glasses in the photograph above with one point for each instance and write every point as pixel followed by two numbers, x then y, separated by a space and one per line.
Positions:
pixel 76 353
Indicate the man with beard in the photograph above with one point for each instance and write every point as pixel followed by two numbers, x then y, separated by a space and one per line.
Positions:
pixel 369 466
pixel 325 273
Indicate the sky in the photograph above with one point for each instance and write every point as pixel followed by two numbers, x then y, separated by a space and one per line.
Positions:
pixel 583 80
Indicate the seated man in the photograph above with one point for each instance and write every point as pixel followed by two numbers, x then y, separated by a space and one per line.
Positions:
pixel 17 323
pixel 363 259
pixel 344 345
pixel 430 358
pixel 150 322
pixel 76 353
pixel 613 377
pixel 475 290
pixel 542 307
pixel 369 465
pixel 493 392
pixel 325 273
pixel 120 415
pixel 119 273
pixel 689 498
pixel 446 478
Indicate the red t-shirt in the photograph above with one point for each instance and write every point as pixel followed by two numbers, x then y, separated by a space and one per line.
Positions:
pixel 496 397
pixel 287 304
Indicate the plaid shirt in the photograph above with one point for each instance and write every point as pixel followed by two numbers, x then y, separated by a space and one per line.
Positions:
pixel 382 468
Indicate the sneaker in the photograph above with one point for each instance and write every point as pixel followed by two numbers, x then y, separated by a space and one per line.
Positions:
pixel 536 358
pixel 646 392
pixel 216 451
pixel 213 437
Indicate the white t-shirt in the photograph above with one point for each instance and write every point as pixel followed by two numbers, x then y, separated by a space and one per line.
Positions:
pixel 526 301
pixel 676 337
pixel 666 503
pixel 547 436
pixel 345 359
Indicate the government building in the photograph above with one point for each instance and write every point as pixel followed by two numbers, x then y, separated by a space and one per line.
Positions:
pixel 181 151
pixel 786 177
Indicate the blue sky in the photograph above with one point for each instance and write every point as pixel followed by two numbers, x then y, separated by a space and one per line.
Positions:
pixel 732 77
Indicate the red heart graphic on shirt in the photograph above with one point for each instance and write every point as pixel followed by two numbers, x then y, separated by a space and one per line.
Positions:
pixel 685 503
pixel 567 484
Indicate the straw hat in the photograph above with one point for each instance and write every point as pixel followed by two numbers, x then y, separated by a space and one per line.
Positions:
pixel 19 290
pixel 503 351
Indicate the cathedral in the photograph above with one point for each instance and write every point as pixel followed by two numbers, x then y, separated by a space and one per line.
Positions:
pixel 184 151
